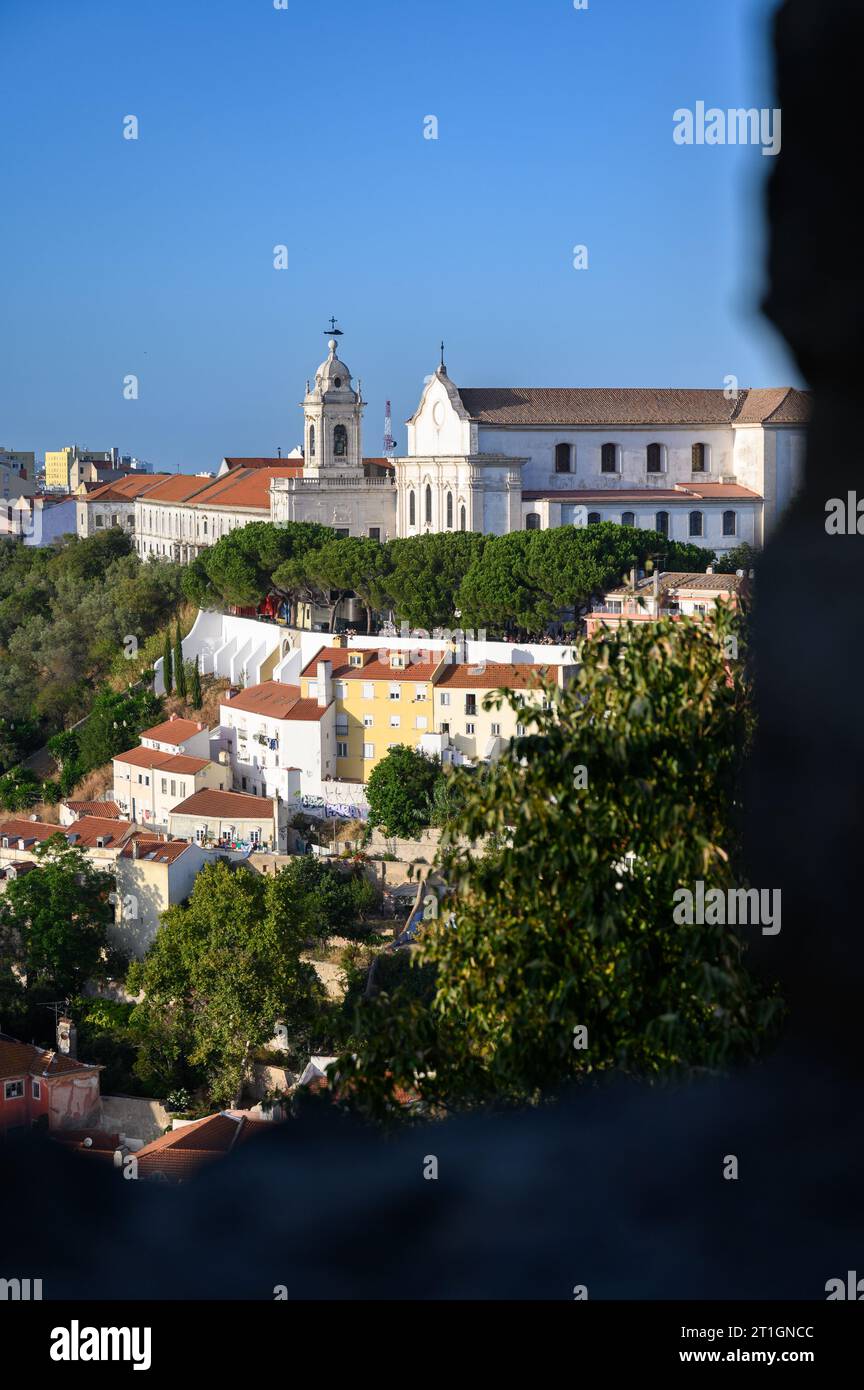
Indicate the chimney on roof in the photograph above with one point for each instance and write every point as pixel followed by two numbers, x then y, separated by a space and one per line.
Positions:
pixel 633 577
pixel 200 726
pixel 656 583
pixel 67 1036
pixel 136 848
pixel 325 683
pixel 174 716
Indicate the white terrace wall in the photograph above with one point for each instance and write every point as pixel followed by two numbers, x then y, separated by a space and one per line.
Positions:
pixel 246 651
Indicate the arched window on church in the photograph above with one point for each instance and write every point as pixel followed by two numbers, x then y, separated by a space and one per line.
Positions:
pixel 562 458
pixel 532 521
pixel 449 511
pixel 462 517
pixel 412 509
pixel 312 441
pixel 340 442
pixel 427 505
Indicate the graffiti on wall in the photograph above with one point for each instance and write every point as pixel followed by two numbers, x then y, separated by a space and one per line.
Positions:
pixel 333 810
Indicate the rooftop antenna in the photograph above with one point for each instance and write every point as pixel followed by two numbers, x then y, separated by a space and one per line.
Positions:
pixel 389 441
pixel 56 1006
pixel 333 331
pixel 443 368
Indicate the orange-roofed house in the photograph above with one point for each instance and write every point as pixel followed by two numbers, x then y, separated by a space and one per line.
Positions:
pixel 176 735
pixel 149 782
pixel 666 594
pixel 185 1150
pixel 152 875
pixel 151 872
pixel 42 1088
pixel 231 820
pixel 276 739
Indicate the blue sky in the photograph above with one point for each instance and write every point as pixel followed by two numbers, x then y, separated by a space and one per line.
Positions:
pixel 304 127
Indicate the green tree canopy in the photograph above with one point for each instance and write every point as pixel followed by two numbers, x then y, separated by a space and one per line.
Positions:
pixel 242 568
pixel 624 792
pixel 114 724
pixel 54 919
pixel 426 574
pixel 399 791
pixel 220 972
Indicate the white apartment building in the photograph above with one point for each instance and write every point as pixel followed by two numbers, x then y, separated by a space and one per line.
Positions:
pixel 149 783
pixel 113 504
pixel 277 742
pixel 178 735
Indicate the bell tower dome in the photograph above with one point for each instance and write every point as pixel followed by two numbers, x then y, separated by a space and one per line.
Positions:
pixel 333 411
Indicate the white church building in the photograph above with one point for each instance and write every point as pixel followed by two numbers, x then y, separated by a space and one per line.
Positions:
pixel 696 465
pixel 709 466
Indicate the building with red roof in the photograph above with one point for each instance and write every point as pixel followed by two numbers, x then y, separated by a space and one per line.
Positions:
pixel 44 1088
pixel 188 1148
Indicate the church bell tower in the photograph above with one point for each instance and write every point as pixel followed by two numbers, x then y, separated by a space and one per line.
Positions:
pixel 333 411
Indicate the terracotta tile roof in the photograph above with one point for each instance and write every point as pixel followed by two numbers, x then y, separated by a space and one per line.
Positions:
pixel 512 675
pixel 108 810
pixel 274 700
pixel 18 1057
pixel 17 829
pixel 181 1152
pixel 609 406
pixel 373 670
pixel 155 851
pixel 675 579
pixel 270 698
pixel 776 406
pixel 309 710
pixel 680 492
pixel 222 805
pixel 173 730
pixel 245 488
pixel 125 488
pixel 165 762
pixel 179 487
pixel 92 828
pixel 102 1144
pixel 295 463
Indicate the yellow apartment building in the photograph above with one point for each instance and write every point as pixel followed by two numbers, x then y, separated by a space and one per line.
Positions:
pixel 378 703
pixel 59 465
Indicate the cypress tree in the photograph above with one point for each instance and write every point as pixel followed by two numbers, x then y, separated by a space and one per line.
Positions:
pixel 166 662
pixel 179 668
pixel 195 689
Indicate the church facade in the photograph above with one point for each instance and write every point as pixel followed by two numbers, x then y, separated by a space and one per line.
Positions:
pixel 696 465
